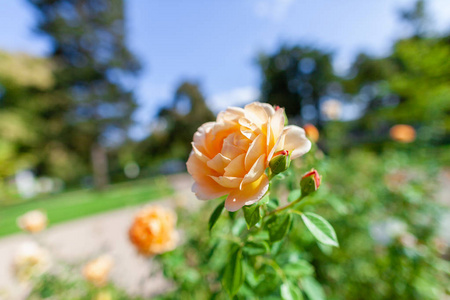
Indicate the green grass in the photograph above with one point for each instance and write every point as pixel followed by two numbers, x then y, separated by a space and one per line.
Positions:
pixel 73 205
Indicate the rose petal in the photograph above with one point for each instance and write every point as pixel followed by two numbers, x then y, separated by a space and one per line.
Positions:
pixel 295 141
pixel 277 125
pixel 205 190
pixel 241 142
pixel 256 113
pixel 270 111
pixel 204 187
pixel 236 167
pixel 218 163
pixel 248 129
pixel 229 150
pixel 251 193
pixel 255 172
pixel 232 114
pixel 201 136
pixel 228 182
pixel 257 147
pixel 199 154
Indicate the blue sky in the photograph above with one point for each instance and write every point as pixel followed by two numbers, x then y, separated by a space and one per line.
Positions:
pixel 216 42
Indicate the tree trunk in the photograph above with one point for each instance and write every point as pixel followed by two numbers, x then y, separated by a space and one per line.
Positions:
pixel 99 160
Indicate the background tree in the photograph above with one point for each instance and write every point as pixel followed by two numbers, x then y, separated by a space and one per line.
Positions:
pixel 410 85
pixel 94 69
pixel 32 119
pixel 296 78
pixel 175 126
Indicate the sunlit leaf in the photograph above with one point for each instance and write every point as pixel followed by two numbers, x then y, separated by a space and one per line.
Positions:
pixel 298 269
pixel 312 289
pixel 320 229
pixel 289 291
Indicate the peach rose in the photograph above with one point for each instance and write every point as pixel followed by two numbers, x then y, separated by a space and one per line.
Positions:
pixel 230 156
pixel 153 231
pixel 30 260
pixel 33 221
pixel 97 270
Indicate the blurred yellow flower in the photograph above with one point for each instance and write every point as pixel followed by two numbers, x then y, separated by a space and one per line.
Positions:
pixel 229 156
pixel 403 133
pixel 311 132
pixel 30 260
pixel 103 295
pixel 33 221
pixel 97 270
pixel 153 230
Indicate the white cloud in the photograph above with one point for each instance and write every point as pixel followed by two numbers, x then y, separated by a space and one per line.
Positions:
pixel 274 10
pixel 235 97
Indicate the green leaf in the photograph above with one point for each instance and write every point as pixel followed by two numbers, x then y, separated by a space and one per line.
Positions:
pixel 233 276
pixel 256 248
pixel 232 214
pixel 252 214
pixel 273 203
pixel 238 226
pixel 312 289
pixel 320 229
pixel 269 282
pixel 215 215
pixel 278 226
pixel 294 195
pixel 326 249
pixel 290 291
pixel 276 247
pixel 298 269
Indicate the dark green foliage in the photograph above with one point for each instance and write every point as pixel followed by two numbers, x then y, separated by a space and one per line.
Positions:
pixel 296 76
pixel 180 121
pixel 278 226
pixel 215 215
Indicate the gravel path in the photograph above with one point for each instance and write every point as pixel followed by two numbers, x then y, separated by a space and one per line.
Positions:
pixel 80 240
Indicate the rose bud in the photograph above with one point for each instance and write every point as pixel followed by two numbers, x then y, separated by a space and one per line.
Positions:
pixel 310 182
pixel 280 162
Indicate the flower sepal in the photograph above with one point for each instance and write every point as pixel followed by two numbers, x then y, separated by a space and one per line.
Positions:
pixel 280 162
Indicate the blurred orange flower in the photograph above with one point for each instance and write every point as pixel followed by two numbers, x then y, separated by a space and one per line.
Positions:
pixel 403 133
pixel 97 270
pixel 230 155
pixel 311 132
pixel 153 230
pixel 33 221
